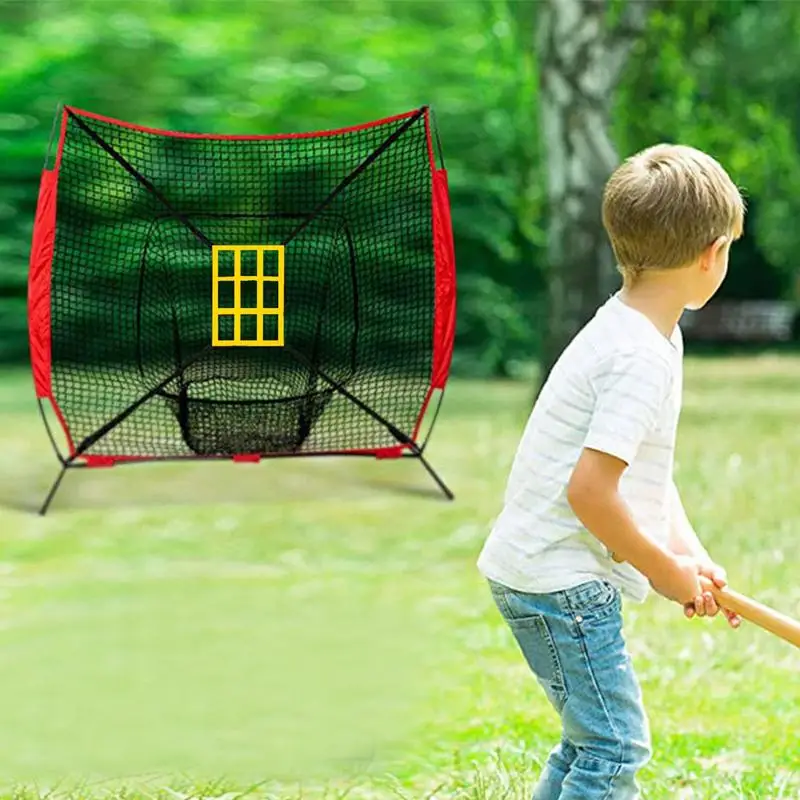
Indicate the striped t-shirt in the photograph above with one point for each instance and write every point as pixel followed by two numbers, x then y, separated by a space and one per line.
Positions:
pixel 616 388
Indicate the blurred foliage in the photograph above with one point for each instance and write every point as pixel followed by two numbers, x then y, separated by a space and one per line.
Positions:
pixel 705 73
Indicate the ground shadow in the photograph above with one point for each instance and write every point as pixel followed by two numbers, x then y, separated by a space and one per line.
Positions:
pixel 145 485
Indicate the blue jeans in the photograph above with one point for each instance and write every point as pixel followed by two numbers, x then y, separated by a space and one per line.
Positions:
pixel 573 643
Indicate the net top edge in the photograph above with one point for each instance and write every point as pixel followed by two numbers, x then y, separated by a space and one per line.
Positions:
pixel 244 137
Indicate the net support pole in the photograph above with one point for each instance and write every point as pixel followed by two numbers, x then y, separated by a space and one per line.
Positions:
pixel 53 489
pixel 435 475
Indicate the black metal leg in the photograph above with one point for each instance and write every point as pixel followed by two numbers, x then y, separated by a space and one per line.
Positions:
pixel 53 490
pixel 439 482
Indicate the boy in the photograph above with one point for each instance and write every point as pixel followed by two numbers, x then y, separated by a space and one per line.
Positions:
pixel 591 510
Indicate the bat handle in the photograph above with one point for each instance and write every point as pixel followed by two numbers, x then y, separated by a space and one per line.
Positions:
pixel 765 617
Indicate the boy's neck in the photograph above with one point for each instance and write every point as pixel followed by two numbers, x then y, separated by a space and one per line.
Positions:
pixel 659 297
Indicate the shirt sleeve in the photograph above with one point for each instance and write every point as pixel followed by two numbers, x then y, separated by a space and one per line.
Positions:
pixel 631 392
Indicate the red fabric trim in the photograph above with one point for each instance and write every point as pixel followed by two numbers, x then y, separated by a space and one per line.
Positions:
pixel 44 230
pixel 107 461
pixel 251 137
pixel 99 461
pixel 445 313
pixel 390 452
pixel 39 278
pixel 247 458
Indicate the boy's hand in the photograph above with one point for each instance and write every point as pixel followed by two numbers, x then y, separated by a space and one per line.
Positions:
pixel 705 605
pixel 681 582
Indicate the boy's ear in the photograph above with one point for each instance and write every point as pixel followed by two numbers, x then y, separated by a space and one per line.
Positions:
pixel 713 251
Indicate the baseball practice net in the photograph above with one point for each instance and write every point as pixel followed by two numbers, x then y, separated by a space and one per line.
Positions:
pixel 208 296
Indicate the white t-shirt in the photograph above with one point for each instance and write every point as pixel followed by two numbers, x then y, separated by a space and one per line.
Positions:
pixel 616 388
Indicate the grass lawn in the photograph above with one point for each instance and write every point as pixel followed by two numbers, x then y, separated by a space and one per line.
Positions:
pixel 317 629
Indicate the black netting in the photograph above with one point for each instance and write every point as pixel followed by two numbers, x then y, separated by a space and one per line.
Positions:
pixel 132 290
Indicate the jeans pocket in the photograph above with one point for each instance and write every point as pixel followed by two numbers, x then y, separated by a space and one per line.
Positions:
pixel 595 597
pixel 538 647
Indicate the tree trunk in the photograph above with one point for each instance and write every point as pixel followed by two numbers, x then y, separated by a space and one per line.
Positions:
pixel 581 55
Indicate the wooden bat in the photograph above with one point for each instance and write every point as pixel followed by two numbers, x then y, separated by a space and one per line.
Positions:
pixel 765 617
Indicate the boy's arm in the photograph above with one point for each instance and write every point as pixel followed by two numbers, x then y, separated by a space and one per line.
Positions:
pixel 630 391
pixel 593 494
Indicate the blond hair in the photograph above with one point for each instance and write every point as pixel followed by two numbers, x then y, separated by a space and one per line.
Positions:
pixel 663 206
